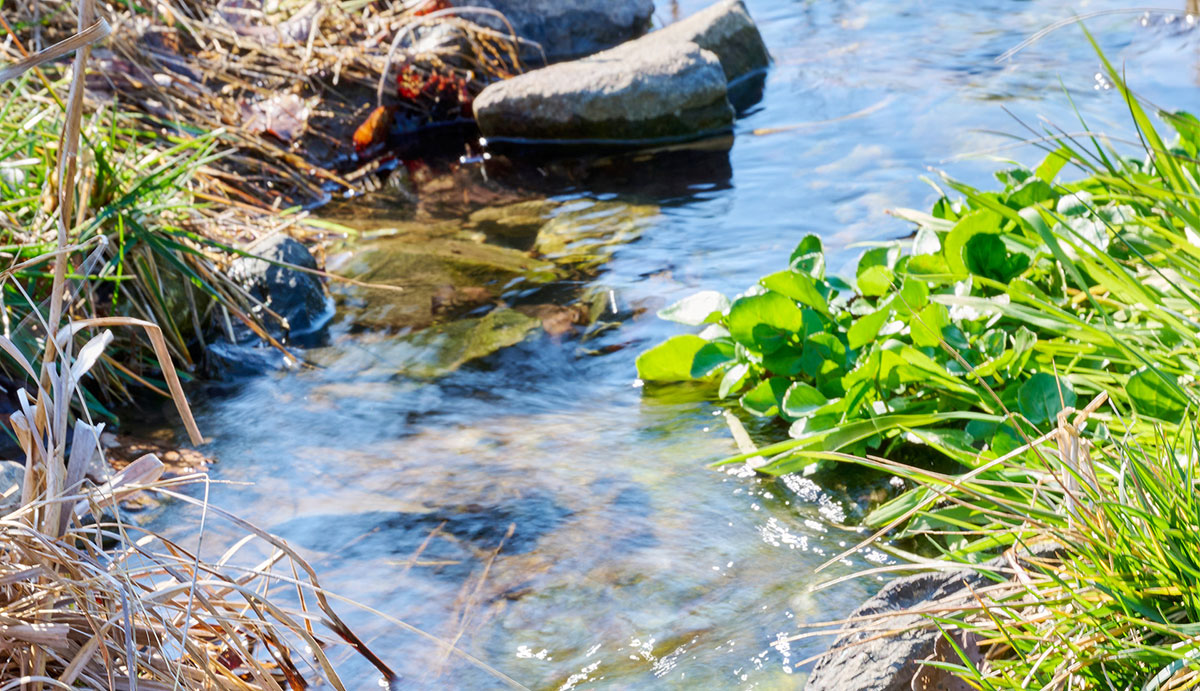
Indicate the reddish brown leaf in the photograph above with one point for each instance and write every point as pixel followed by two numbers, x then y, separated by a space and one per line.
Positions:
pixel 374 130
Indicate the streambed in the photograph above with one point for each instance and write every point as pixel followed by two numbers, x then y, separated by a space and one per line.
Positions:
pixel 535 503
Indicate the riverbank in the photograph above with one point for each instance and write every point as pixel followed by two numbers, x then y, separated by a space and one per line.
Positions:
pixel 359 464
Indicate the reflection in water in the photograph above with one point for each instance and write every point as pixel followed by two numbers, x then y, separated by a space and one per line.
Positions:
pixel 671 173
pixel 528 501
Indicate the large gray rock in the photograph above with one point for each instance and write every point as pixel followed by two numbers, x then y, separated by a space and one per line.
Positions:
pixel 643 90
pixel 863 659
pixel 295 295
pixel 728 31
pixel 659 87
pixel 568 28
pixel 889 663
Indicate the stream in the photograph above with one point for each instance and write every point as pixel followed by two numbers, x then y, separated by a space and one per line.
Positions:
pixel 473 455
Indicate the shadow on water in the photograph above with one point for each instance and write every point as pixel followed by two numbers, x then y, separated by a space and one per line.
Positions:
pixel 491 388
pixel 665 174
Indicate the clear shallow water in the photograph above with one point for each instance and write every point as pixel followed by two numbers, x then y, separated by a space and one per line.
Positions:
pixel 630 564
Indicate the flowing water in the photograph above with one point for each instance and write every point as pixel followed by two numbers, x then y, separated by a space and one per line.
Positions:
pixel 537 506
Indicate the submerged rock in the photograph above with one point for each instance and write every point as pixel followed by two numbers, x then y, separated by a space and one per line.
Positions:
pixel 295 295
pixel 433 274
pixel 444 348
pixel 515 224
pixel 643 90
pixel 567 28
pixel 586 237
pixel 224 360
pixel 727 30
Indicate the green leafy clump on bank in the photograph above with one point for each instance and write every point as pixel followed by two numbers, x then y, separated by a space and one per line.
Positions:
pixel 1045 337
pixel 1004 308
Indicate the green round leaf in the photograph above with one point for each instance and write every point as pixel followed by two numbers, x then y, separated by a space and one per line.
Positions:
pixel 764 400
pixel 809 257
pixel 1042 396
pixel 710 357
pixel 987 256
pixel 802 399
pixel 968 226
pixel 875 281
pixel 926 326
pixel 866 329
pixel 671 360
pixel 763 321
pixel 799 287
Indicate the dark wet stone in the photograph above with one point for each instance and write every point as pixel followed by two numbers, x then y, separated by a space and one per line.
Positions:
pixel 225 360
pixel 483 529
pixel 645 90
pixel 567 28
pixel 295 295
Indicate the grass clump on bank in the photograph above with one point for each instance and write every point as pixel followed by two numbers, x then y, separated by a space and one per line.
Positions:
pixel 206 126
pixel 975 343
pixel 1116 607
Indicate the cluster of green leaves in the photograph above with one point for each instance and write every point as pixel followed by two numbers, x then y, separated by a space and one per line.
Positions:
pixel 1003 309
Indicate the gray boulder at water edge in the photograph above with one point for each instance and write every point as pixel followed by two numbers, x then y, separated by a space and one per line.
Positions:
pixel 728 31
pixel 670 85
pixel 566 28
pixel 637 91
pixel 882 645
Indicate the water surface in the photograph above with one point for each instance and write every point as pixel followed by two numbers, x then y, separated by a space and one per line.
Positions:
pixel 537 505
